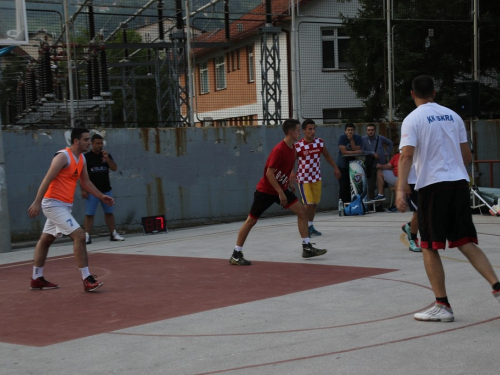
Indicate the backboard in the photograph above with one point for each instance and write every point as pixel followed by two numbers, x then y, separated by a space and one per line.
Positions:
pixel 13 23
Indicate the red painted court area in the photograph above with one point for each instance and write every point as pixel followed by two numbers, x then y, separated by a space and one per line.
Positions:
pixel 140 289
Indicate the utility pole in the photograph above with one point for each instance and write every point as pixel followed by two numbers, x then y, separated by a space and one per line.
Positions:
pixel 5 246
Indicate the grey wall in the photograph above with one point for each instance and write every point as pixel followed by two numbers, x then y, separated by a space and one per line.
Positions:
pixel 192 175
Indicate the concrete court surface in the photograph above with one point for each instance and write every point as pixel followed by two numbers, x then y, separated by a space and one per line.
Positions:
pixel 172 304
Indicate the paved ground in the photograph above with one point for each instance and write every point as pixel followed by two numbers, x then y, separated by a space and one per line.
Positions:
pixel 172 304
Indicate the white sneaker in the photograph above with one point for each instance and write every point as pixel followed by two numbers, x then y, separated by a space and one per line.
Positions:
pixel 438 313
pixel 116 237
pixel 87 238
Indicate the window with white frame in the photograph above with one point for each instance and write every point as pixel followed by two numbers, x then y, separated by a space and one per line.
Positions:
pixel 204 88
pixel 335 43
pixel 251 64
pixel 220 73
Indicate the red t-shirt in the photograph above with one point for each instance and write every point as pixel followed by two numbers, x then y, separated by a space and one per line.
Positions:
pixel 395 161
pixel 282 159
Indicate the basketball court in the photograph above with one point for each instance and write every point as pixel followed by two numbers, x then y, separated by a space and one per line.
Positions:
pixel 172 304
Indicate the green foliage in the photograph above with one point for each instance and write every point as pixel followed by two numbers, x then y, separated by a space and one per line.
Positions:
pixel 447 55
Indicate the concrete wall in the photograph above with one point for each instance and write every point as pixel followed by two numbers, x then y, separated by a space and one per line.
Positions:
pixel 192 175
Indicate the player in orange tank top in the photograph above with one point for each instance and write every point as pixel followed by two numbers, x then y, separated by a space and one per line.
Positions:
pixel 55 198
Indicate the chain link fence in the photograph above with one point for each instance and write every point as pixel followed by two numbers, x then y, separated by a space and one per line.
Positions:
pixel 252 62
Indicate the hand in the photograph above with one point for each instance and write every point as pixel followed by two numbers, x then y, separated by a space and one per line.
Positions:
pixel 402 194
pixel 34 209
pixel 375 155
pixel 283 200
pixel 378 166
pixel 105 154
pixel 108 200
pixel 337 173
pixel 85 194
pixel 350 136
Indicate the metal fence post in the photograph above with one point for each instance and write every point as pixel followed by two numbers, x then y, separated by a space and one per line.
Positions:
pixel 5 246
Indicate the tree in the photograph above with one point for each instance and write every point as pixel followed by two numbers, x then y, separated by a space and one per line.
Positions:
pixel 433 38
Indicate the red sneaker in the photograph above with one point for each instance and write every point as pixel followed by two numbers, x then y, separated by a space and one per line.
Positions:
pixel 41 283
pixel 90 284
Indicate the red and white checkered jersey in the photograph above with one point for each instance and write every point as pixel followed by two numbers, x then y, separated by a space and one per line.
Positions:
pixel 308 155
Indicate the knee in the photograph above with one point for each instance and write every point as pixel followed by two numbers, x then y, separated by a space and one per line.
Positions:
pixel 301 212
pixel 78 235
pixel 251 221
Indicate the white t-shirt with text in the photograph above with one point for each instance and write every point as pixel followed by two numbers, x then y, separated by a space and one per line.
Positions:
pixel 436 132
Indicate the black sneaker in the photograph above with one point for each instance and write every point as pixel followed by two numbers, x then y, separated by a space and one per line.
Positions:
pixel 238 260
pixel 308 251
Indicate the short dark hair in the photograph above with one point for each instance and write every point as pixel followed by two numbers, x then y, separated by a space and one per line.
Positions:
pixel 290 124
pixel 423 87
pixel 349 125
pixel 307 121
pixel 368 125
pixel 77 134
pixel 96 136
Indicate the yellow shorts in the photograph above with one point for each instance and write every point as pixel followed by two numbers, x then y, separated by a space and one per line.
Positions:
pixel 310 192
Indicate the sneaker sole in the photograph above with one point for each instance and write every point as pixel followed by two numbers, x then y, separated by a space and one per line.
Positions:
pixel 447 320
pixel 415 251
pixel 307 255
pixel 235 263
pixel 45 288
pixel 97 287
pixel 114 239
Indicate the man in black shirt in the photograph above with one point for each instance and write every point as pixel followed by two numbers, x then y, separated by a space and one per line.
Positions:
pixel 99 162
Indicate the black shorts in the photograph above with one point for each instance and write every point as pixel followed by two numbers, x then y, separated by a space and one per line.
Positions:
pixel 444 214
pixel 413 199
pixel 262 201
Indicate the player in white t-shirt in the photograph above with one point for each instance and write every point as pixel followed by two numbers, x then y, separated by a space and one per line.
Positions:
pixel 433 138
pixel 309 151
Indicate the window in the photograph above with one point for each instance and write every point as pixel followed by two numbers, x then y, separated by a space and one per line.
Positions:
pixel 204 88
pixel 335 44
pixel 220 73
pixel 251 64
pixel 233 61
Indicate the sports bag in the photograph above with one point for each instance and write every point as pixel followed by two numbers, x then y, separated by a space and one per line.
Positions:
pixel 356 207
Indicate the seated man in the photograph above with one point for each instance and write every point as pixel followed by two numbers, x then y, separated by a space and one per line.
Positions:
pixel 375 146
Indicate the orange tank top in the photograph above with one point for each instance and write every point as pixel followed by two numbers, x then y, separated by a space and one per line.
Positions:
pixel 63 186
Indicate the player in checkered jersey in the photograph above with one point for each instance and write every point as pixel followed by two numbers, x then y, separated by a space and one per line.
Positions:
pixel 309 151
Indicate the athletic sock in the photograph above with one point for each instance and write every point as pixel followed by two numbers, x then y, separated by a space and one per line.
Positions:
pixel 496 287
pixel 306 240
pixel 37 272
pixel 238 248
pixel 85 272
pixel 443 300
pixel 414 236
pixel 310 223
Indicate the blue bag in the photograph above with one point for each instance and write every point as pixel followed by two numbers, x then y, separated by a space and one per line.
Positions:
pixel 356 207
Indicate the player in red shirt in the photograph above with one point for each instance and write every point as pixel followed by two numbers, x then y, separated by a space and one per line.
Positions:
pixel 273 188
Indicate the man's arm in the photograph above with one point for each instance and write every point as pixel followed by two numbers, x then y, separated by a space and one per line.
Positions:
pixel 385 166
pixel 329 159
pixel 88 186
pixel 402 188
pixel 466 153
pixel 109 159
pixel 274 183
pixel 58 163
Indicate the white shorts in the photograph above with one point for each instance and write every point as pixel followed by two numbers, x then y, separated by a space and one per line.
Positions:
pixel 59 219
